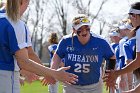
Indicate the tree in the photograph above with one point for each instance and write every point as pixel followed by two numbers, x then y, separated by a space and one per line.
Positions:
pixel 85 9
pixel 34 18
pixel 61 9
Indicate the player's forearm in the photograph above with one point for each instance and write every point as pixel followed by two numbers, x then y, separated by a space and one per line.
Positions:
pixel 55 62
pixel 33 56
pixel 34 67
pixel 27 64
pixel 137 89
pixel 130 67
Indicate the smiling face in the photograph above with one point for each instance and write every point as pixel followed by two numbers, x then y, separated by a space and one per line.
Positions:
pixel 81 27
pixel 83 34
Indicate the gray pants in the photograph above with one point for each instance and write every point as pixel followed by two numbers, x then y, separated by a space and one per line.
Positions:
pixel 9 82
pixel 53 88
pixel 93 88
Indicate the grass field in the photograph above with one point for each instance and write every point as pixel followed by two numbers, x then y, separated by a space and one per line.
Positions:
pixel 36 87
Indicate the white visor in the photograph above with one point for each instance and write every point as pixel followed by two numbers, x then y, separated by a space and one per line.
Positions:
pixel 81 22
pixel 134 11
pixel 76 27
pixel 113 33
pixel 126 26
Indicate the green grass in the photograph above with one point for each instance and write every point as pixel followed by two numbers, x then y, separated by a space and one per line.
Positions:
pixel 36 87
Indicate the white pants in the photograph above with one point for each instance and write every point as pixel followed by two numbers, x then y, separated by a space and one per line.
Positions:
pixel 9 82
pixel 118 81
pixel 93 88
pixel 53 88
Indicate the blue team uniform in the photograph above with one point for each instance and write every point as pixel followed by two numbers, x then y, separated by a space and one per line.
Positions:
pixel 114 45
pixel 129 48
pixel 52 48
pixel 13 37
pixel 121 52
pixel 85 60
pixel 117 50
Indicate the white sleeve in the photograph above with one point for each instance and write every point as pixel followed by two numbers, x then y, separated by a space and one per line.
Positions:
pixel 20 33
pixel 138 40
pixel 121 48
pixel 50 48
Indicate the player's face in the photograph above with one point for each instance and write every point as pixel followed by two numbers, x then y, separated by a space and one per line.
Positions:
pixel 83 33
pixel 24 6
pixel 134 19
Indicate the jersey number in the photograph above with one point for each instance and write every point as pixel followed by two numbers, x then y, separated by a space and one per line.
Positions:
pixel 82 68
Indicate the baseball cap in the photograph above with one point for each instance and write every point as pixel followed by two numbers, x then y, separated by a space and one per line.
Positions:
pixel 133 11
pixel 80 21
pixel 113 33
pixel 125 26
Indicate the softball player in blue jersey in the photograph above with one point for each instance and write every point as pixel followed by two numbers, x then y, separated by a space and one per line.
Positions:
pixel 124 31
pixel 134 15
pixel 84 52
pixel 129 51
pixel 15 51
pixel 114 37
pixel 53 40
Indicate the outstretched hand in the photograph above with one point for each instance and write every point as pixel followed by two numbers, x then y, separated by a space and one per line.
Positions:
pixel 29 76
pixel 110 79
pixel 65 77
pixel 21 82
pixel 48 80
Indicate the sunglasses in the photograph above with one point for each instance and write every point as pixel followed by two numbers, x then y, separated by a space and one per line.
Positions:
pixel 81 20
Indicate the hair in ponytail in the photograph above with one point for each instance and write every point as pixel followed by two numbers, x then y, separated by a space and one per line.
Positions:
pixel 13 9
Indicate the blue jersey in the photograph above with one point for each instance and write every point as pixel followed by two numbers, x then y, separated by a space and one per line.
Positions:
pixel 121 52
pixel 2 11
pixel 114 45
pixel 13 36
pixel 52 49
pixel 129 48
pixel 117 50
pixel 85 60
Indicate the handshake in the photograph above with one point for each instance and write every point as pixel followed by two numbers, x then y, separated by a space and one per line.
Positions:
pixel 60 75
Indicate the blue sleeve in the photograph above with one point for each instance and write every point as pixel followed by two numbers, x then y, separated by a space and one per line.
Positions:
pixel 127 52
pixel 60 51
pixel 108 51
pixel 12 40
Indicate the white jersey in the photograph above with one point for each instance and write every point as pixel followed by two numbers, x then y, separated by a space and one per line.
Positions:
pixel 17 27
pixel 122 41
pixel 138 40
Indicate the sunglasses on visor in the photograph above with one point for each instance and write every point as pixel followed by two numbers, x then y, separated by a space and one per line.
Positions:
pixel 81 20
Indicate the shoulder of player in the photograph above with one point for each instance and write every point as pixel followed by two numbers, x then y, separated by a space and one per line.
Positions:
pixel 69 36
pixel 17 25
pixel 99 37
pixel 3 19
pixel 52 45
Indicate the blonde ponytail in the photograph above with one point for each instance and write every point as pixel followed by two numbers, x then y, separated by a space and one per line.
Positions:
pixel 13 9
